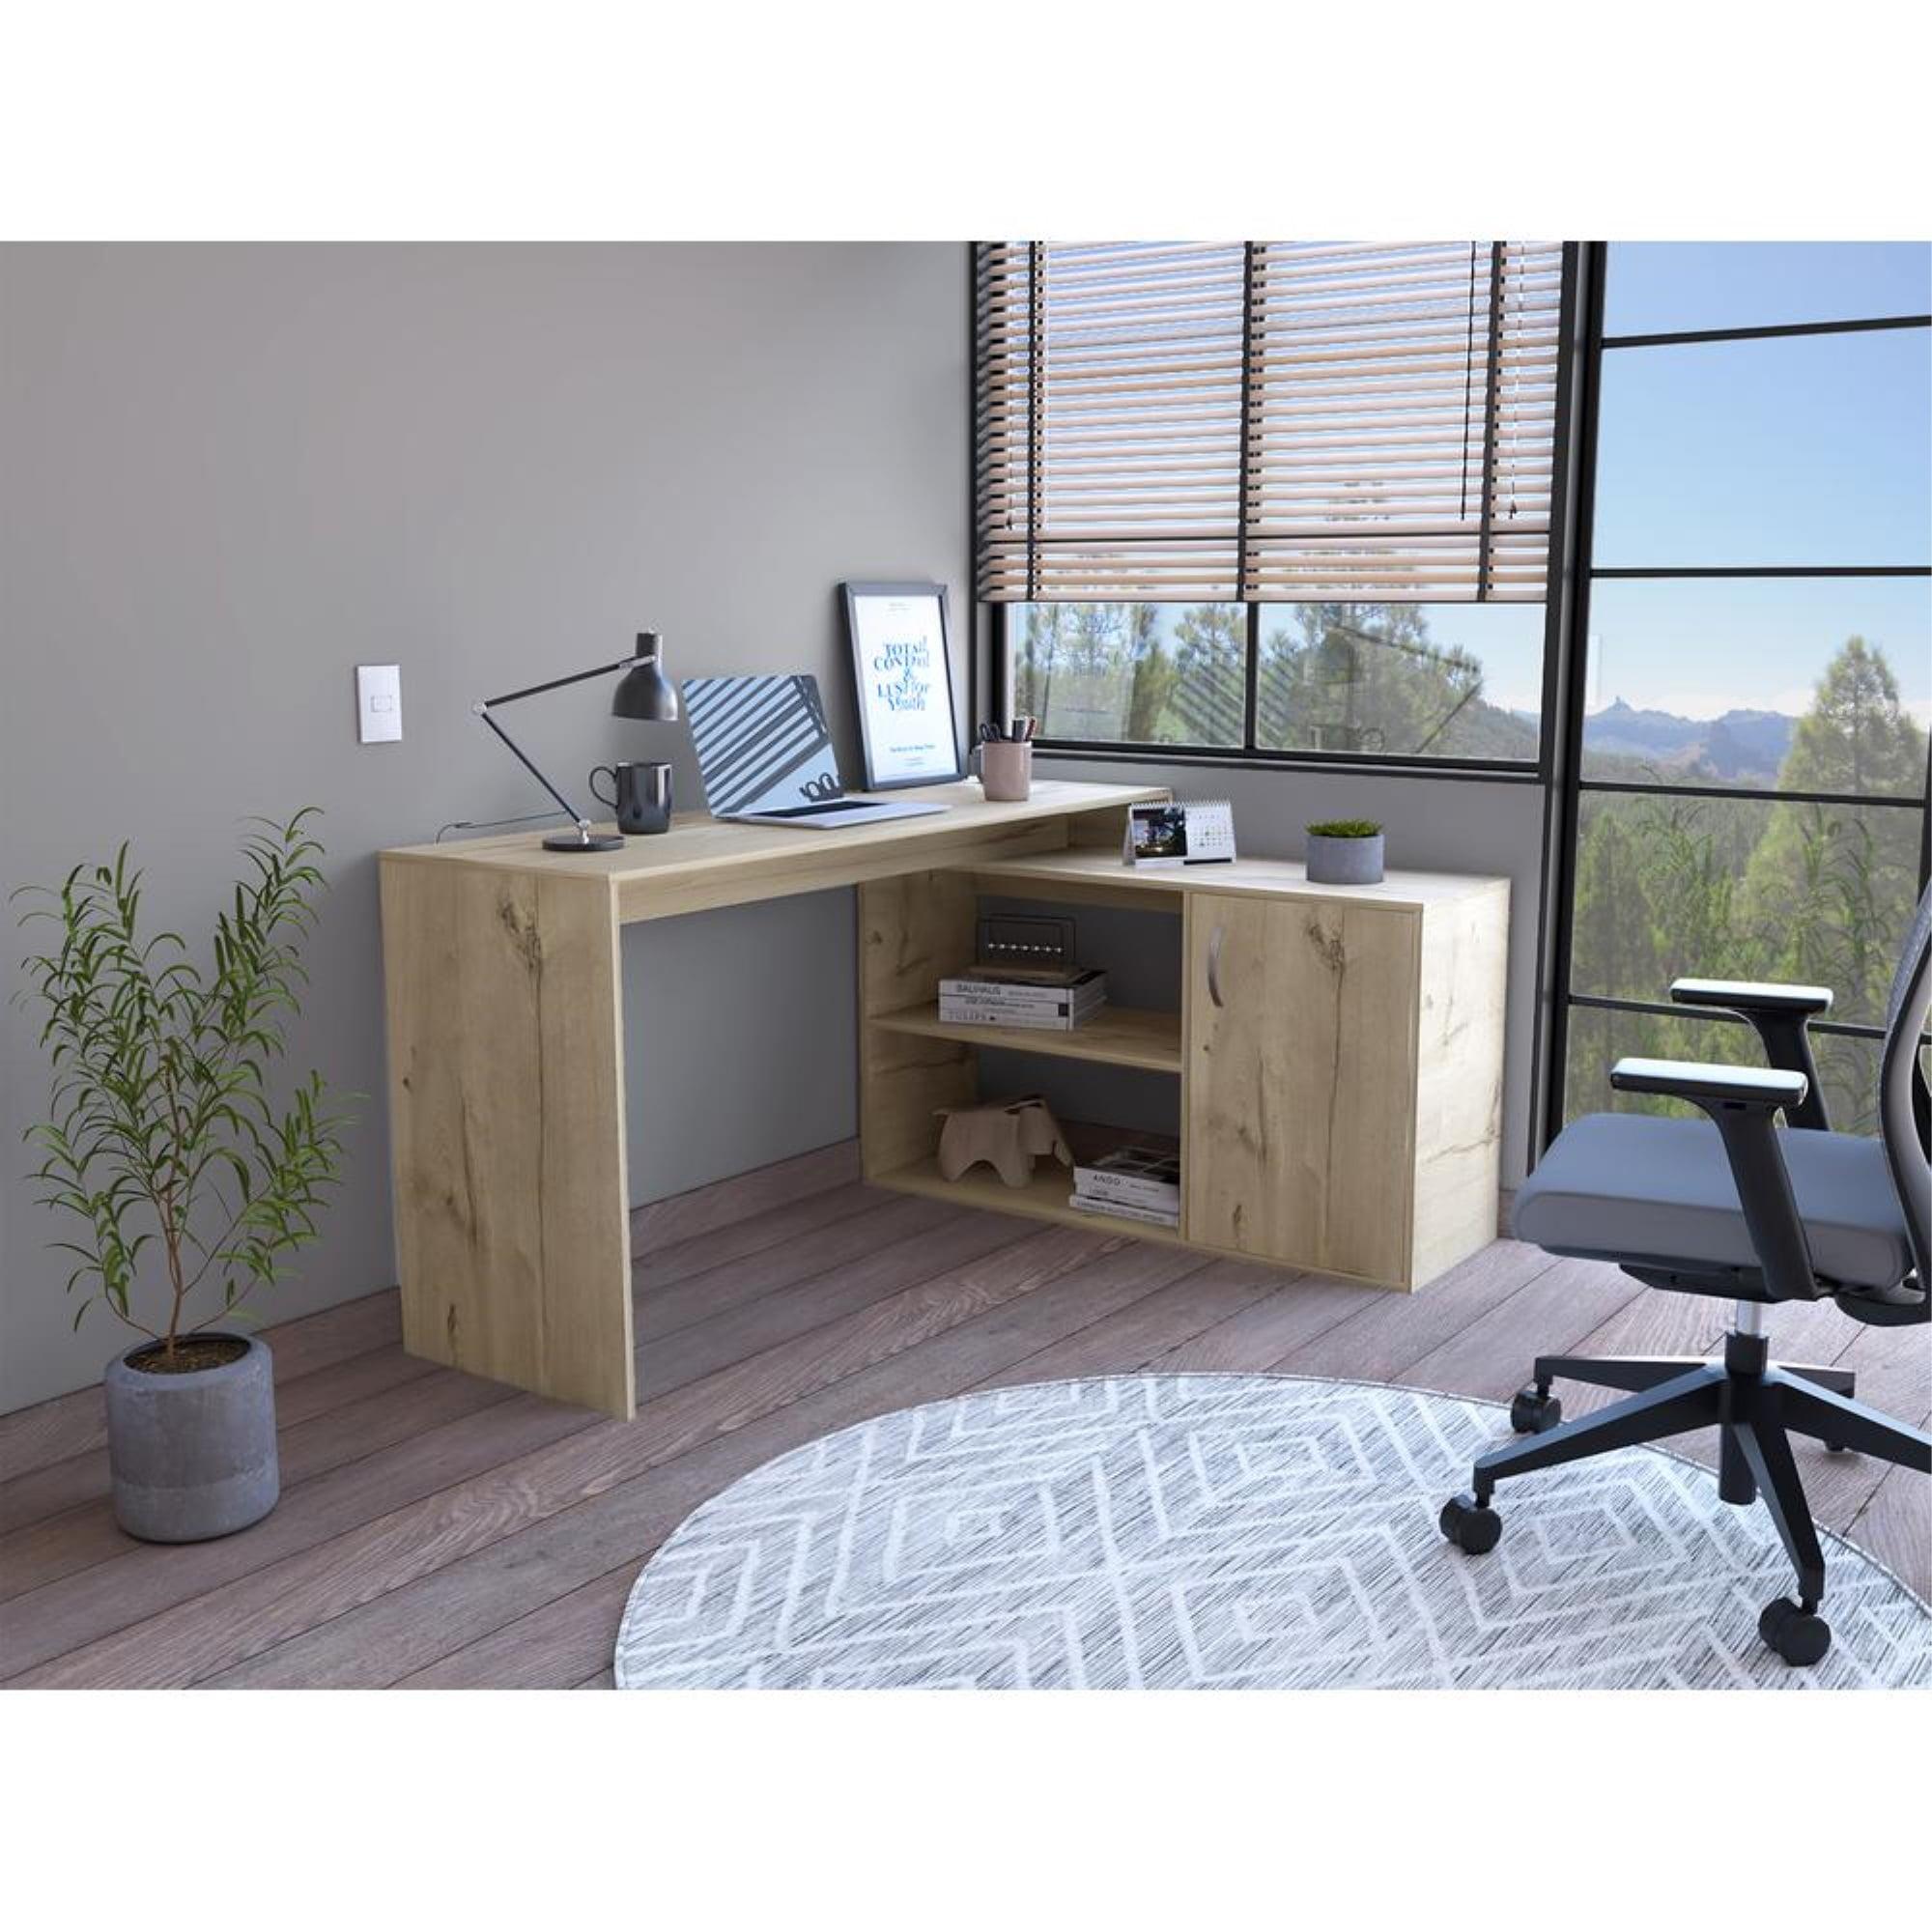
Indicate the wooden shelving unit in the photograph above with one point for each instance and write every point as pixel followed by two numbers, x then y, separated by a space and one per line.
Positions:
pixel 1120 1035
pixel 1337 1059
pixel 915 931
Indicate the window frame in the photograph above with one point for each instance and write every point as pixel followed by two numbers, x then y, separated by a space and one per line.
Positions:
pixel 994 633
pixel 1556 997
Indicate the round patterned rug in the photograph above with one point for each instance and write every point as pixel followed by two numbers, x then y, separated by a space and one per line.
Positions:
pixel 1195 1531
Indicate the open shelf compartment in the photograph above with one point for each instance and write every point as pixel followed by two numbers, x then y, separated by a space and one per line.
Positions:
pixel 1044 1196
pixel 1120 1035
pixel 917 930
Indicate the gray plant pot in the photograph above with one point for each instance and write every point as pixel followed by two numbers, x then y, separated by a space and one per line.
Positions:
pixel 1344 862
pixel 193 1456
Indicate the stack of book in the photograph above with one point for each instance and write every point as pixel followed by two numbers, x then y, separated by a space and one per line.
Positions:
pixel 1141 1184
pixel 1014 997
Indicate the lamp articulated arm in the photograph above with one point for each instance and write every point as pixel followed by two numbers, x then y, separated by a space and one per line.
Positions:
pixel 570 811
pixel 575 678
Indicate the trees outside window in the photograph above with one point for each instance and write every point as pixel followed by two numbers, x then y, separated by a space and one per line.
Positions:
pixel 1379 680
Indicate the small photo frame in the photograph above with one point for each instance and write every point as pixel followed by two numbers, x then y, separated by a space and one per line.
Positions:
pixel 903 677
pixel 1156 834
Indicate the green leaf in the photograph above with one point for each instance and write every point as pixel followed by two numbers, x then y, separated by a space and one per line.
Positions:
pixel 160 1075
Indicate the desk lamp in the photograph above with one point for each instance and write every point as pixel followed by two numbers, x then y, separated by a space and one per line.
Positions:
pixel 644 692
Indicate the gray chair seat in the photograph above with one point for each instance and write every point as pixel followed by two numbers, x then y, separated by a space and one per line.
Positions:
pixel 1635 1185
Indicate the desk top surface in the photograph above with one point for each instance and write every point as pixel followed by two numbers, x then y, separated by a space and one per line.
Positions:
pixel 1263 878
pixel 697 844
pixel 704 861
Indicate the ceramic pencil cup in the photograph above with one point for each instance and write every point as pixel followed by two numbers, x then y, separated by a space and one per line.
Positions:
pixel 1006 771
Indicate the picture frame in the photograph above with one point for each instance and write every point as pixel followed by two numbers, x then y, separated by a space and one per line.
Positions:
pixel 903 684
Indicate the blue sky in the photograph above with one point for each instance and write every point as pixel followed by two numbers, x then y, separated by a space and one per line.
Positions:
pixel 1799 450
pixel 1657 286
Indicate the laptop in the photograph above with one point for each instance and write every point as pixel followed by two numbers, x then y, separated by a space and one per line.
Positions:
pixel 765 754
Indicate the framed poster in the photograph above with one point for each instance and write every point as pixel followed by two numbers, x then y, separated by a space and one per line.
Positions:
pixel 903 679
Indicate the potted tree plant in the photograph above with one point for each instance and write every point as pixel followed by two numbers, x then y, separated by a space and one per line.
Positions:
pixel 192 1182
pixel 1344 852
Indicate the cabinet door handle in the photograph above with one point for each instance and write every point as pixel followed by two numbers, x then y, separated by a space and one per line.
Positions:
pixel 1214 966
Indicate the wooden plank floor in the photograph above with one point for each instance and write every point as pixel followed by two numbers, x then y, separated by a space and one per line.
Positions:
pixel 439 1530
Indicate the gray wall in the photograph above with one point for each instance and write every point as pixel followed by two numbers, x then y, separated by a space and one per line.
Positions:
pixel 228 474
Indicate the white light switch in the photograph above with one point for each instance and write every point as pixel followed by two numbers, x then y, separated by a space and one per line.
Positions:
pixel 379 703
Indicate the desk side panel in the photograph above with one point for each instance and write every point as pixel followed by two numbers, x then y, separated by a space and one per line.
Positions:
pixel 913 931
pixel 507 1118
pixel 1459 1079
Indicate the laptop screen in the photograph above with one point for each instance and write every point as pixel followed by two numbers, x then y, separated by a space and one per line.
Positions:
pixel 762 743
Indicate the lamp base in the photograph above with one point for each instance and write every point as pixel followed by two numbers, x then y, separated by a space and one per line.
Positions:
pixel 594 842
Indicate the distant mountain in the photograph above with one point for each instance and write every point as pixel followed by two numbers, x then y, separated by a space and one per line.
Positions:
pixel 1749 745
pixel 1748 742
pixel 1484 731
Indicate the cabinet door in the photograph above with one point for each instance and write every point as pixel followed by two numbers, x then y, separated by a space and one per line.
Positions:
pixel 1300 1094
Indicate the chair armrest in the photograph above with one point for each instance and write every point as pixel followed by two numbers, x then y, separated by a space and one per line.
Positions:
pixel 1767 1086
pixel 1747 996
pixel 1780 1015
pixel 1744 1102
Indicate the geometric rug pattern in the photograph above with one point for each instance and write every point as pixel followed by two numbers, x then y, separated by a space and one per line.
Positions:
pixel 1228 1531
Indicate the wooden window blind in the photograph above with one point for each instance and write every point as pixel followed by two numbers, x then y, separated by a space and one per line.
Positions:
pixel 1268 421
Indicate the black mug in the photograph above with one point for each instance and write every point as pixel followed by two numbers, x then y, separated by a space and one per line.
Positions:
pixel 642 801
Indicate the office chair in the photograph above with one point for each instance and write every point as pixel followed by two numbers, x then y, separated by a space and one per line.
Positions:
pixel 1732 1204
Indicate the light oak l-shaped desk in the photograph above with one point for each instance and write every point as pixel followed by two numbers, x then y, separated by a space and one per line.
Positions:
pixel 1340 1054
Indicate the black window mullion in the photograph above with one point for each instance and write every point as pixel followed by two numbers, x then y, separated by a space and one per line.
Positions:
pixel 1852 800
pixel 1251 736
pixel 1642 570
pixel 1670 338
pixel 1561 822
pixel 1610 1003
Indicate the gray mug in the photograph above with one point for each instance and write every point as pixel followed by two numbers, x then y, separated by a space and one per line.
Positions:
pixel 641 796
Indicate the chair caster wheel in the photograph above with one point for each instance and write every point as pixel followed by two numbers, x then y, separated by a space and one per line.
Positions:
pixel 1799 1636
pixel 1838 1448
pixel 1534 1410
pixel 1473 1527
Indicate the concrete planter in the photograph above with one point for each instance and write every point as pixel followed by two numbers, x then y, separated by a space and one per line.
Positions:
pixel 1344 862
pixel 192 1456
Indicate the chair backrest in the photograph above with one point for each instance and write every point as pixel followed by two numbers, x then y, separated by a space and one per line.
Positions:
pixel 1901 1086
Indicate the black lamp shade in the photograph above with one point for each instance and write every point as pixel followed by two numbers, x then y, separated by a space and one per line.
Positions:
pixel 644 692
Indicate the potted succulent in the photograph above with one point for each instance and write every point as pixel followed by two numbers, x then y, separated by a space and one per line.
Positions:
pixel 192 1182
pixel 1344 852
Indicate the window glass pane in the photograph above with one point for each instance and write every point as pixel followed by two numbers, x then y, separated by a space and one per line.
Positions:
pixel 1403 680
pixel 1847 1068
pixel 1657 287
pixel 1406 680
pixel 1132 673
pixel 1791 450
pixel 1811 684
pixel 1742 889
